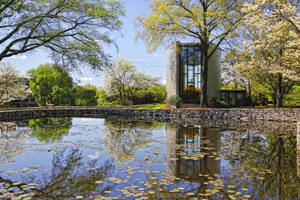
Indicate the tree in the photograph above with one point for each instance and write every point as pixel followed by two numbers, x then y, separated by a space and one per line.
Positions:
pixel 153 93
pixel 51 85
pixel 73 30
pixel 85 95
pixel 230 72
pixel 271 44
pixel 208 21
pixel 12 86
pixel 122 80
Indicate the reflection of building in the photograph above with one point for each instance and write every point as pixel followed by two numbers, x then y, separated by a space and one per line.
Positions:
pixel 184 72
pixel 193 140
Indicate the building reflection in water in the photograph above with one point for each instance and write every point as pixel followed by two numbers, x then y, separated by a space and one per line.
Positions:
pixel 192 140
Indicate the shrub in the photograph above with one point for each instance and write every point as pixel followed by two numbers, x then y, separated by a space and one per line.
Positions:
pixel 220 103
pixel 174 101
pixel 292 105
pixel 126 102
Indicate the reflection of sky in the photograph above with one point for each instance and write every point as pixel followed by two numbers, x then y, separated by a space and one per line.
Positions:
pixel 86 134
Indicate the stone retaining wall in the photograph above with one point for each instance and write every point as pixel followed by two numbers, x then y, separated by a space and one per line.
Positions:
pixel 291 115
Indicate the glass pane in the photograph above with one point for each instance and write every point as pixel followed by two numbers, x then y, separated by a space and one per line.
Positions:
pixel 185 81
pixel 197 69
pixel 191 56
pixel 183 56
pixel 191 74
pixel 197 58
pixel 198 81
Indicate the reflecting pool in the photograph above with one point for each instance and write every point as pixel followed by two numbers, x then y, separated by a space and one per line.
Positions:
pixel 88 158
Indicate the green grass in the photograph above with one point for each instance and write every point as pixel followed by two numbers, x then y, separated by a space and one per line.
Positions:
pixel 152 106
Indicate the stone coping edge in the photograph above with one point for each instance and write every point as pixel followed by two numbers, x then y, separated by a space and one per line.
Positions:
pixel 236 114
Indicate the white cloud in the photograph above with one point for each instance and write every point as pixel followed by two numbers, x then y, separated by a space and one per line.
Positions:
pixel 94 156
pixel 85 79
pixel 19 57
pixel 86 119
pixel 164 81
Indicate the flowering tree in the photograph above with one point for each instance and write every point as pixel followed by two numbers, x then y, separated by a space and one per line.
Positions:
pixel 272 41
pixel 122 80
pixel 11 85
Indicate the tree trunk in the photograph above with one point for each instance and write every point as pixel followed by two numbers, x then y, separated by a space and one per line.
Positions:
pixel 274 98
pixel 249 92
pixel 279 93
pixel 204 59
pixel 204 76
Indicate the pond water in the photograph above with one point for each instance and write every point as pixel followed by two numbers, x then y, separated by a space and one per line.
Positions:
pixel 86 158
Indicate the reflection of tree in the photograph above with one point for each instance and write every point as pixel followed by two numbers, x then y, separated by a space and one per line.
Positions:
pixel 265 152
pixel 123 138
pixel 12 141
pixel 48 130
pixel 69 177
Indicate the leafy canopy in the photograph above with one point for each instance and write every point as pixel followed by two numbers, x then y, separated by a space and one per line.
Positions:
pixel 208 20
pixel 51 85
pixel 74 31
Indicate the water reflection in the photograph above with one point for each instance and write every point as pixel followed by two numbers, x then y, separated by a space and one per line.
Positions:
pixel 12 140
pixel 151 160
pixel 123 138
pixel 260 163
pixel 188 147
pixel 270 159
pixel 70 176
pixel 49 130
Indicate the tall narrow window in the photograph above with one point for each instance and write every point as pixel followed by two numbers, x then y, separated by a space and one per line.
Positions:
pixel 190 73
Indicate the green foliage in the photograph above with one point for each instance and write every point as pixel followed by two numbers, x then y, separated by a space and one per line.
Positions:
pixel 104 101
pixel 74 31
pixel 85 96
pixel 49 130
pixel 152 106
pixel 50 84
pixel 142 96
pixel 220 103
pixel 128 86
pixel 292 105
pixel 294 96
pixel 174 101
pixel 154 93
pixel 159 92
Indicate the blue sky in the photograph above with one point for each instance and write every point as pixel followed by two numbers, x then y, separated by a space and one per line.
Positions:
pixel 153 64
